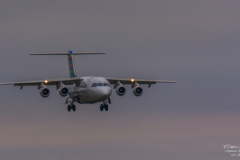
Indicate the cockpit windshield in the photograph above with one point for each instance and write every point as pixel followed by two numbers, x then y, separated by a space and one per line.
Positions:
pixel 100 84
pixel 94 84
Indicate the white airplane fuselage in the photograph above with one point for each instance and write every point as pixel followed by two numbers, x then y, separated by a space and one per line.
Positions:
pixel 92 90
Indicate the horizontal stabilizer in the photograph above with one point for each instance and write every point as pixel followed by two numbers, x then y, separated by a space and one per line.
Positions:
pixel 66 53
pixel 70 54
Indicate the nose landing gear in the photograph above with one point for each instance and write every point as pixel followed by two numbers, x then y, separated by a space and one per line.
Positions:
pixel 71 104
pixel 105 105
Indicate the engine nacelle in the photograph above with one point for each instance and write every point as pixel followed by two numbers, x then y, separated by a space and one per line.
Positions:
pixel 63 91
pixel 120 90
pixel 137 91
pixel 44 92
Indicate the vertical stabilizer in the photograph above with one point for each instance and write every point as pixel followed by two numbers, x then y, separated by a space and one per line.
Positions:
pixel 71 65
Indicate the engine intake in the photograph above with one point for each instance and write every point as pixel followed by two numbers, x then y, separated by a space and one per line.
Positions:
pixel 137 91
pixel 120 90
pixel 63 91
pixel 44 92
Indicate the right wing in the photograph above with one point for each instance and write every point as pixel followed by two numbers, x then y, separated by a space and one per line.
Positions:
pixel 138 81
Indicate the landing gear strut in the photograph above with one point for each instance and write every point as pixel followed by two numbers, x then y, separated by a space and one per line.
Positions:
pixel 105 105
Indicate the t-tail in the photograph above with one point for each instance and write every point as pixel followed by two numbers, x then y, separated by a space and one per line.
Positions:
pixel 71 65
pixel 70 55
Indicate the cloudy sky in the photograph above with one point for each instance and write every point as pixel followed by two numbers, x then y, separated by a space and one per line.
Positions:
pixel 193 42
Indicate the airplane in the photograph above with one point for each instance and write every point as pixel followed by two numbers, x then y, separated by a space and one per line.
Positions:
pixel 85 90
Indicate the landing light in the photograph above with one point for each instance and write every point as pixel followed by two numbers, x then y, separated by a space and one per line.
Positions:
pixel 132 80
pixel 46 81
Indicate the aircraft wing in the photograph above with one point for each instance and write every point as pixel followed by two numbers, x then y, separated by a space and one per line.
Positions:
pixel 139 81
pixel 66 81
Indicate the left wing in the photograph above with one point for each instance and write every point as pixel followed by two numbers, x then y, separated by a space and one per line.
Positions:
pixel 139 81
pixel 66 81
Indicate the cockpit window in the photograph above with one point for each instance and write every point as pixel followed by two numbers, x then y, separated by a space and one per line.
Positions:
pixel 100 84
pixel 94 84
pixel 106 84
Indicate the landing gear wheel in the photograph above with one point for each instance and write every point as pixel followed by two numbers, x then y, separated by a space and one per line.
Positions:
pixel 106 107
pixel 74 108
pixel 69 108
pixel 101 107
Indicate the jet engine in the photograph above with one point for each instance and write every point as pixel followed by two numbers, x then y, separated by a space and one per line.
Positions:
pixel 120 90
pixel 44 92
pixel 63 91
pixel 137 91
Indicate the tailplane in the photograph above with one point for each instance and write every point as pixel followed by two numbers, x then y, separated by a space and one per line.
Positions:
pixel 71 63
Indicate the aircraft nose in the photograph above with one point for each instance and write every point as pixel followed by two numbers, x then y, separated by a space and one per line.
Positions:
pixel 106 92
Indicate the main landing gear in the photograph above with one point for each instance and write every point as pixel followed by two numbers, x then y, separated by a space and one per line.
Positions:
pixel 105 105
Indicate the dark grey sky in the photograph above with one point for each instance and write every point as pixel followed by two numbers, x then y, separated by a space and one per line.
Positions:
pixel 193 42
